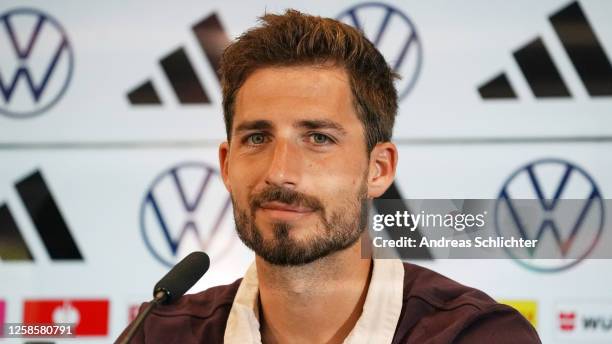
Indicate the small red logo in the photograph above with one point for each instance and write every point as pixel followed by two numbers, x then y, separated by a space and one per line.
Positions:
pixel 90 317
pixel 567 321
pixel 133 312
pixel 2 317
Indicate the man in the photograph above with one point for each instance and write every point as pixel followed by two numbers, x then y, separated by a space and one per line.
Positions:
pixel 309 109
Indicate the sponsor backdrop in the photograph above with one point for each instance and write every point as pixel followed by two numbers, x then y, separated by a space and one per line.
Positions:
pixel 110 118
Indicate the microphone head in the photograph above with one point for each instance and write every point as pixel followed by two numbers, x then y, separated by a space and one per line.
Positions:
pixel 182 277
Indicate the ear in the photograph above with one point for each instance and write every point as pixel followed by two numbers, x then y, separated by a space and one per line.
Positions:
pixel 381 169
pixel 224 149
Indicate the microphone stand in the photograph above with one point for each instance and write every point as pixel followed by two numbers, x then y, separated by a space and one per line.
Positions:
pixel 160 296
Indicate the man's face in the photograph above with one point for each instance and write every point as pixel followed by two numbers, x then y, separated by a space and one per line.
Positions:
pixel 296 166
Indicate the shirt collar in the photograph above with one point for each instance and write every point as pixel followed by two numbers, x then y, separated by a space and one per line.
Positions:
pixel 377 323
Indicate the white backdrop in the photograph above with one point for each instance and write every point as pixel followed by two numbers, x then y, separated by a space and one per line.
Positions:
pixel 100 155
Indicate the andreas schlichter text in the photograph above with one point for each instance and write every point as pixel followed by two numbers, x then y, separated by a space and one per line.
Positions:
pixel 478 242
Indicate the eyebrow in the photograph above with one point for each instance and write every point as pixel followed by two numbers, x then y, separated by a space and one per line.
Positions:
pixel 254 125
pixel 320 124
pixel 306 123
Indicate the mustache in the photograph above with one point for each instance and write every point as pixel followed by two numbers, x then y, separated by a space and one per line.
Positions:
pixel 275 193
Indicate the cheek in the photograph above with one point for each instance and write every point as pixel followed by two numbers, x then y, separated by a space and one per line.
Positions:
pixel 239 170
pixel 338 180
pixel 344 169
pixel 241 185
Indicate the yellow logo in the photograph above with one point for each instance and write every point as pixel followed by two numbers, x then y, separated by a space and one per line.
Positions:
pixel 528 308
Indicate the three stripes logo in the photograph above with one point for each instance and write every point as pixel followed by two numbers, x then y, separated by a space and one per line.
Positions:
pixel 536 64
pixel 179 71
pixel 396 233
pixel 47 219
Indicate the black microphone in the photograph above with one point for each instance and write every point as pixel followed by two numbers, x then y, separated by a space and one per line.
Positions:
pixel 172 286
pixel 182 277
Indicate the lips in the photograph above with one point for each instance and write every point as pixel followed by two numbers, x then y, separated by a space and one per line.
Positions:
pixel 277 211
pixel 278 206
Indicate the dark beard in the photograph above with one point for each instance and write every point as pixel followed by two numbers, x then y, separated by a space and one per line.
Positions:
pixel 342 228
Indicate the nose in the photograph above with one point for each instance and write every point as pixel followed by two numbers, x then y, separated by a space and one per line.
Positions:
pixel 284 164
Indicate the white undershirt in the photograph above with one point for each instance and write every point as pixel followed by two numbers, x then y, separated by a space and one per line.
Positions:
pixel 377 323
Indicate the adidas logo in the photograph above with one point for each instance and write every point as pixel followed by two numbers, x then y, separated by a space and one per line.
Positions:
pixel 383 205
pixel 47 220
pixel 537 66
pixel 180 72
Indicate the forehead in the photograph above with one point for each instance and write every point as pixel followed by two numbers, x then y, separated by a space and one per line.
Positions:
pixel 289 94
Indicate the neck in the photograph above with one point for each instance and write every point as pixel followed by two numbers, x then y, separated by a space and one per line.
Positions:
pixel 319 302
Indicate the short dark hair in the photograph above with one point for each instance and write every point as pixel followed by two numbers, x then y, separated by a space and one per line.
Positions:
pixel 295 38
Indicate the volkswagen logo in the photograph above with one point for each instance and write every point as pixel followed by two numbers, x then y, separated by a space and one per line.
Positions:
pixel 394 35
pixel 187 208
pixel 565 213
pixel 36 62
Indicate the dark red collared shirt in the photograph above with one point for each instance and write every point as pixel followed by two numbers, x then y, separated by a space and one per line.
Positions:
pixel 435 310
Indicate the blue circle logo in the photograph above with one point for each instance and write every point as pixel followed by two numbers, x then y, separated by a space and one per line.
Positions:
pixel 557 203
pixel 394 35
pixel 187 209
pixel 36 65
